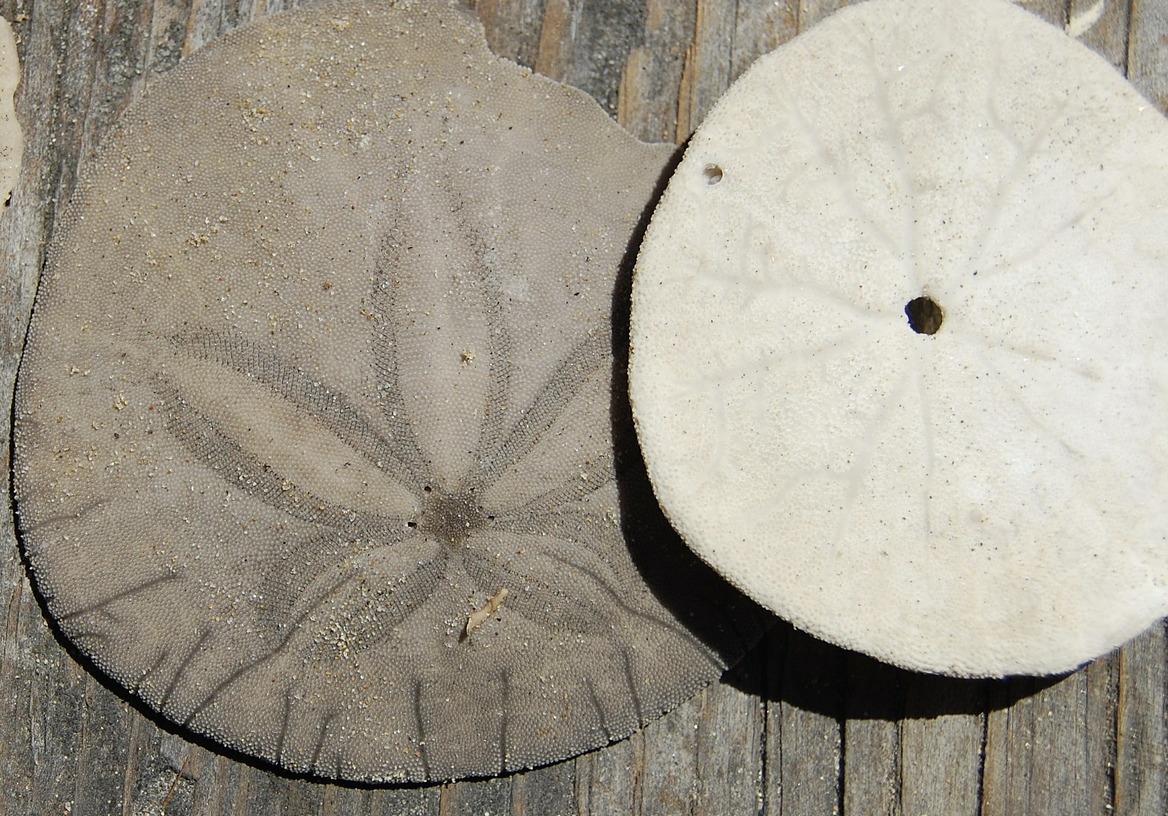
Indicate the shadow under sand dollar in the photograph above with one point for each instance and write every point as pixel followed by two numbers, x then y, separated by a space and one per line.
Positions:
pixel 792 667
pixel 315 435
pixel 711 608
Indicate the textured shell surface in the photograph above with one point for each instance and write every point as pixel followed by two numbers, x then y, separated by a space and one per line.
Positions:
pixel 318 450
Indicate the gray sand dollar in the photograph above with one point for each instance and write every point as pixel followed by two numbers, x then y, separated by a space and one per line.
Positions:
pixel 317 447
pixel 898 363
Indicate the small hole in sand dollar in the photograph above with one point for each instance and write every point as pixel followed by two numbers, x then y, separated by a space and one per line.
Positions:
pixel 924 315
pixel 713 174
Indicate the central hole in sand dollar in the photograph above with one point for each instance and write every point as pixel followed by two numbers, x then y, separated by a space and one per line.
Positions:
pixel 448 518
pixel 924 315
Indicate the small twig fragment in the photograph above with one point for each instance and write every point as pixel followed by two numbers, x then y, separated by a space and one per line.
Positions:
pixel 480 615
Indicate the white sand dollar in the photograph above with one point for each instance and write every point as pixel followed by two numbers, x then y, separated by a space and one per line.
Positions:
pixel 899 340
pixel 11 139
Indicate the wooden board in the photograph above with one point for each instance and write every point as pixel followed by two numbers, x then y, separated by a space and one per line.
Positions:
pixel 799 727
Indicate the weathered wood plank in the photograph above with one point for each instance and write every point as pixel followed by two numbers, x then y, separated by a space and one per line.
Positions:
pixel 1140 712
pixel 1147 50
pixel 759 27
pixel 944 739
pixel 647 97
pixel 729 761
pixel 609 780
pixel 872 769
pixel 805 725
pixel 1102 26
pixel 800 727
pixel 549 790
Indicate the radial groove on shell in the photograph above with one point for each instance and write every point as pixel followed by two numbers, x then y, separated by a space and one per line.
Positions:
pixel 898 331
pixel 322 369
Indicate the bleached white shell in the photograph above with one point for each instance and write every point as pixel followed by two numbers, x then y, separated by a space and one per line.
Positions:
pixel 986 500
pixel 11 139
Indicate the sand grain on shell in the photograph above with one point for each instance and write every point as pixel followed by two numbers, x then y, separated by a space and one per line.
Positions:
pixel 321 367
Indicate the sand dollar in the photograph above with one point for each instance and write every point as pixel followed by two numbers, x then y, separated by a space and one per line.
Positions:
pixel 317 449
pixel 899 336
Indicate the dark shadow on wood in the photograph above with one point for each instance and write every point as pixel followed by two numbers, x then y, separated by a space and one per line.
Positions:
pixel 792 667
pixel 724 620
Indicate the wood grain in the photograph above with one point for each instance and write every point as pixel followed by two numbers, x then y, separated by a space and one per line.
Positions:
pixel 800 727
